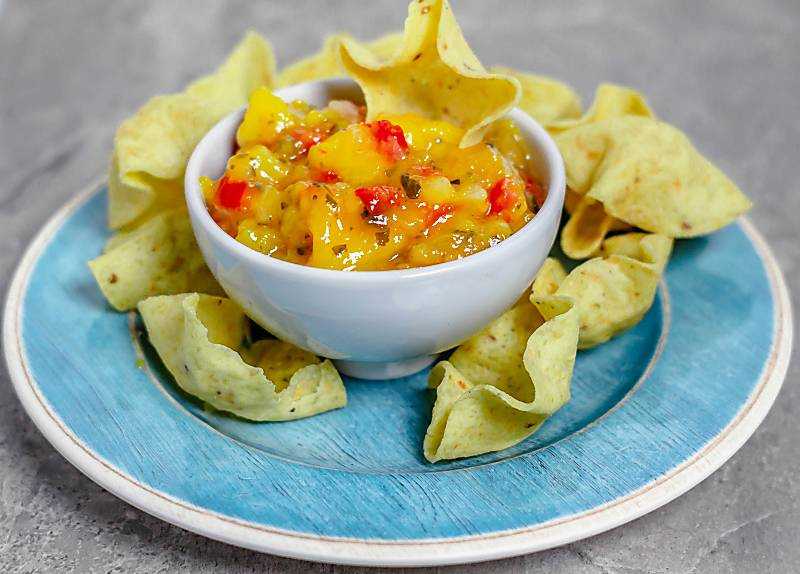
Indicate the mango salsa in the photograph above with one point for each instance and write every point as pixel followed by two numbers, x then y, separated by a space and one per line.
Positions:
pixel 324 188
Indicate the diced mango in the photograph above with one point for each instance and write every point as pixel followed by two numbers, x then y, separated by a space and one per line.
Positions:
pixel 506 138
pixel 436 190
pixel 352 155
pixel 259 237
pixel 266 118
pixel 258 165
pixel 430 140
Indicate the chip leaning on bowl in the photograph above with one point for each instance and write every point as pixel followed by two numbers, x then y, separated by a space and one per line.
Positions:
pixel 427 172
pixel 325 188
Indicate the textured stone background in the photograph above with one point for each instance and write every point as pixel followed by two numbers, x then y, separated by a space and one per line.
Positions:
pixel 727 72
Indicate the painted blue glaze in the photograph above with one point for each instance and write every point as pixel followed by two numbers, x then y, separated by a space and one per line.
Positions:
pixel 358 472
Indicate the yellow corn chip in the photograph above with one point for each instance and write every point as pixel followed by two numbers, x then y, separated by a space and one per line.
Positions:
pixel 279 359
pixel 152 147
pixel 544 99
pixel 610 101
pixel 327 64
pixel 586 228
pixel 628 169
pixel 648 174
pixel 160 257
pixel 199 339
pixel 612 292
pixel 588 225
pixel 571 202
pixel 583 234
pixel 503 383
pixel 433 74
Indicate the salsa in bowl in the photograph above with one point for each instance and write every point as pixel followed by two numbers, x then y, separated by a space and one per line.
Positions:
pixel 322 187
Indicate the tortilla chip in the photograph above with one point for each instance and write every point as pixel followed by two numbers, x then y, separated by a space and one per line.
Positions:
pixel 630 169
pixel 549 278
pixel 571 202
pixel 152 147
pixel 199 339
pixel 588 225
pixel 433 74
pixel 648 174
pixel 585 230
pixel 648 248
pixel 279 359
pixel 327 64
pixel 583 234
pixel 544 99
pixel 610 101
pixel 503 383
pixel 612 292
pixel 160 257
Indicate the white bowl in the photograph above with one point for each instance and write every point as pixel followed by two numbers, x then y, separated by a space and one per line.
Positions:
pixel 375 324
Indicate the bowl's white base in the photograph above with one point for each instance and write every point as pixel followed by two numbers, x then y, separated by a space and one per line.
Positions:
pixel 382 371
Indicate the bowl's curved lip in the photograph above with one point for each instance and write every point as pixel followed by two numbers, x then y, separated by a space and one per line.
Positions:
pixel 551 209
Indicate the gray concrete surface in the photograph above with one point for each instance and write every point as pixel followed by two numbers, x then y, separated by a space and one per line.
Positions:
pixel 727 72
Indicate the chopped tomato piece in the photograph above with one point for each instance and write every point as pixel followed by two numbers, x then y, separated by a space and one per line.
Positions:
pixel 326 176
pixel 377 199
pixel 230 193
pixel 439 214
pixel 534 190
pixel 391 139
pixel 501 196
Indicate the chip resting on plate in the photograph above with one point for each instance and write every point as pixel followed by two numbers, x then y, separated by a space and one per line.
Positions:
pixel 589 223
pixel 587 226
pixel 152 147
pixel 629 167
pixel 544 99
pixel 610 101
pixel 160 257
pixel 612 292
pixel 434 73
pixel 503 383
pixel 327 64
pixel 202 341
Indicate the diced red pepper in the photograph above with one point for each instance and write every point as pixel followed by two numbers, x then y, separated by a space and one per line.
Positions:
pixel 230 193
pixel 327 176
pixel 377 199
pixel 390 138
pixel 439 214
pixel 307 138
pixel 534 190
pixel 501 196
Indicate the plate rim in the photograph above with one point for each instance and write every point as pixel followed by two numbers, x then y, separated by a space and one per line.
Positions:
pixel 371 552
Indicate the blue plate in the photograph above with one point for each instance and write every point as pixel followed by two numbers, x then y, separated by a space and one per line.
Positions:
pixel 652 413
